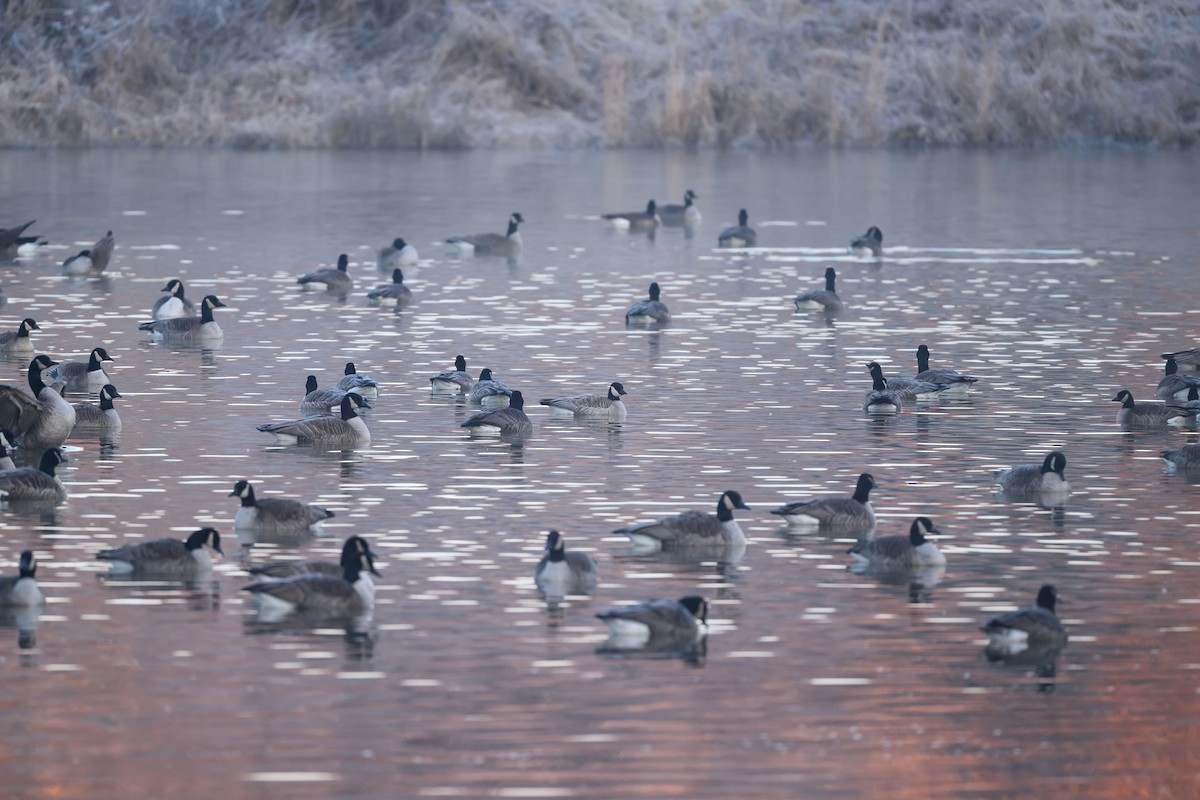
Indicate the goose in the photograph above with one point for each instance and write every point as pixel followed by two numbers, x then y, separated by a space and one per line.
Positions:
pixel 836 512
pixel 397 254
pixel 22 589
pixel 636 220
pixel 591 406
pixel 329 279
pixel 1175 386
pixel 173 558
pixel 282 570
pixel 656 621
pixel 740 235
pixel 1186 458
pixel 1028 626
pixel 11 240
pixel 83 376
pixel 100 417
pixel 1036 480
pixel 101 252
pixel 510 421
pixel 488 392
pixel 1186 358
pixel 692 529
pixel 881 399
pixel 394 292
pixel 275 513
pixel 869 245
pixel 18 341
pixel 956 383
pixel 901 552
pixel 650 311
pixel 491 244
pixel 43 421
pixel 321 401
pixel 350 594
pixel 6 462
pixel 33 485
pixel 1132 414
pixel 826 298
pixel 909 388
pixel 78 264
pixel 348 429
pixel 188 329
pixel 561 573
pixel 673 215
pixel 353 381
pixel 453 381
pixel 173 304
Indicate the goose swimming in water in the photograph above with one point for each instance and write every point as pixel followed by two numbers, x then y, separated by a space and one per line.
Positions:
pixel 836 512
pixel 203 328
pixel 655 622
pixel 26 484
pixel 348 429
pixel 1045 481
pixel 674 215
pixel 561 573
pixel 18 341
pixel 1027 627
pixel 453 381
pixel 510 421
pixel 826 299
pixel 636 220
pixel 329 279
pixel 491 244
pixel 349 595
pixel 275 514
pixel 282 570
pixel 43 421
pixel 174 558
pixel 956 383
pixel 740 235
pixel 869 245
pixel 83 376
pixel 648 312
pixel 173 304
pixel 591 406
pixel 692 529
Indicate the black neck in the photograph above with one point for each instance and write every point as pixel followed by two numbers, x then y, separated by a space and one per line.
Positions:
pixel 106 403
pixel 922 360
pixel 206 313
pixel 36 384
pixel 862 491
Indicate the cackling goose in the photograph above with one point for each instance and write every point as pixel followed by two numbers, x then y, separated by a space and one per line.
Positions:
pixel 510 421
pixel 22 589
pixel 881 399
pixel 45 420
pixel 18 341
pixel 188 329
pixel 869 245
pixel 101 417
pixel 491 244
pixel 397 254
pixel 350 594
pixel 1186 458
pixel 908 388
pixel 26 484
pixel 1036 480
pixel 692 529
pixel 273 514
pixel 673 215
pixel 174 303
pixel 957 383
pixel 901 552
pixel 636 220
pixel 656 621
pixel 836 512
pixel 11 240
pixel 83 376
pixel 453 381
pixel 354 381
pixel 591 406
pixel 1028 626
pixel 329 279
pixel 740 235
pixel 1132 414
pixel 167 557
pixel 394 292
pixel 282 570
pixel 648 312
pixel 348 429
pixel 488 392
pixel 561 573
pixel 826 299
pixel 321 401
pixel 1175 386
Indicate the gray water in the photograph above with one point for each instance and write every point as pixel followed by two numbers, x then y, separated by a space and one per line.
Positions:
pixel 1056 277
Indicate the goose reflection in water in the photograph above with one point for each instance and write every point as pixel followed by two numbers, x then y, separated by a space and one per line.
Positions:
pixel 1043 659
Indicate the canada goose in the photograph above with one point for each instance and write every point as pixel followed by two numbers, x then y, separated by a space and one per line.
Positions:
pixel 1186 358
pixel 329 279
pixel 100 417
pixel 78 264
pixel 26 484
pixel 1028 626
pixel 354 381
pixel 740 235
pixel 648 312
pixel 692 529
pixel 636 220
pixel 881 399
pixel 173 304
pixel 11 240
pixel 397 254
pixel 1186 458
pixel 826 298
pixel 561 573
pixel 869 245
pixel 453 381
pixel 901 552
pixel 1034 480
pixel 510 421
pixel 1132 414
pixel 488 391
pixel 275 513
pixel 1175 386
pixel 83 376
pixel 394 292
pixel 167 557
pixel 837 512
pixel 101 252
pixel 908 388
pixel 18 341
pixel 656 621
pixel 672 215
pixel 491 244
pixel 591 406
pixel 350 594
pixel 6 462
pixel 957 383
pixel 321 401
pixel 348 429
pixel 22 589
pixel 188 329
pixel 45 420
pixel 282 570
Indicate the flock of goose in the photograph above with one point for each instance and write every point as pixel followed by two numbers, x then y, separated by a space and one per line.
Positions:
pixel 36 423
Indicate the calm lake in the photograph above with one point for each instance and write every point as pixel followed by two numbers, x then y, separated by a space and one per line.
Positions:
pixel 1055 277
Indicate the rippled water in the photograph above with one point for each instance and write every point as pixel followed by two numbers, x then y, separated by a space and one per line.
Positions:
pixel 1057 278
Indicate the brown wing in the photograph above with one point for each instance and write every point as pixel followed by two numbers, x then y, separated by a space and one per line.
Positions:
pixel 18 411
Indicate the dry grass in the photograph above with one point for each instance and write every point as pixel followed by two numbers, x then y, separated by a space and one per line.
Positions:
pixel 555 73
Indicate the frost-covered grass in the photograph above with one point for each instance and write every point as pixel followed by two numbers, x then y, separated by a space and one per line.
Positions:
pixel 453 73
